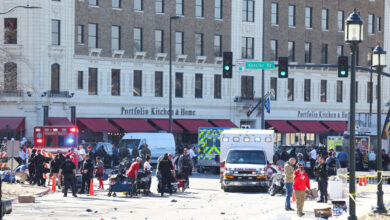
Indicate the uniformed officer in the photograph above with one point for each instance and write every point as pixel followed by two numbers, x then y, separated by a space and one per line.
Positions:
pixel 87 174
pixel 68 169
pixel 39 161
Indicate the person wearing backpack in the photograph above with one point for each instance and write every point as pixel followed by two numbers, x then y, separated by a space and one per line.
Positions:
pixel 332 164
pixel 185 165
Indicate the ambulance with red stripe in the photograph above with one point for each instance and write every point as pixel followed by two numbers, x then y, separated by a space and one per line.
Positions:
pixel 55 138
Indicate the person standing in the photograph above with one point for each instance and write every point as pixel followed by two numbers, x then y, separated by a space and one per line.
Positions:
pixel 99 172
pixel 132 173
pixel 165 168
pixel 289 176
pixel 55 166
pixel 301 182
pixel 343 158
pixel 331 164
pixel 39 161
pixel 323 180
pixel 68 170
pixel 371 160
pixel 87 173
pixel 148 171
pixel 115 155
pixel 31 167
pixel 185 166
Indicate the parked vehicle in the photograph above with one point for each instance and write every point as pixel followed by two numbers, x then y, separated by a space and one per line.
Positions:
pixel 158 143
pixel 277 182
pixel 244 155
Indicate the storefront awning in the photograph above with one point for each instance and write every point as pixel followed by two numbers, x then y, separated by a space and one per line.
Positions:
pixel 164 125
pixel 282 126
pixel 224 123
pixel 310 127
pixel 337 126
pixel 59 121
pixel 12 124
pixel 192 125
pixel 98 125
pixel 133 125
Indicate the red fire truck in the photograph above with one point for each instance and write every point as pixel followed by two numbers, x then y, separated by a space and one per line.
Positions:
pixel 55 138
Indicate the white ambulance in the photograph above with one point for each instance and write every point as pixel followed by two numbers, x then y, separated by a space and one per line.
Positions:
pixel 244 156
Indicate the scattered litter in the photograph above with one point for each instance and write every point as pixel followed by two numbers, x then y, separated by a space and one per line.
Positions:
pixel 131 211
pixel 173 200
pixel 113 217
pixel 115 209
pixel 89 210
pixel 222 213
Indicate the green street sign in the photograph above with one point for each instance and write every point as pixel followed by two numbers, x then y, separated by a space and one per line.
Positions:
pixel 260 65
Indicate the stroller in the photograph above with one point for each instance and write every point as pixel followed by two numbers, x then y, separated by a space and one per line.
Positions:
pixel 181 181
pixel 118 182
pixel 143 182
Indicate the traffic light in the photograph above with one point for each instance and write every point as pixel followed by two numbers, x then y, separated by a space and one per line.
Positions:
pixel 283 67
pixel 343 66
pixel 227 65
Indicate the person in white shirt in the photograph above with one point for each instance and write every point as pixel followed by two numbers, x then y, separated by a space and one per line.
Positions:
pixel 371 160
pixel 192 154
pixel 313 154
pixel 148 170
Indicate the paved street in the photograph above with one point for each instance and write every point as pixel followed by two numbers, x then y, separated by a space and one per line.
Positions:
pixel 204 200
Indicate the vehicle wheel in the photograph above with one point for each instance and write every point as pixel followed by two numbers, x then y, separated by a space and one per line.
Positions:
pixel 109 194
pixel 114 194
pixel 272 191
pixel 226 189
pixel 215 171
pixel 200 170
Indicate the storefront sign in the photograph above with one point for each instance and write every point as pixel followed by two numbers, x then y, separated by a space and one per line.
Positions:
pixel 323 115
pixel 156 111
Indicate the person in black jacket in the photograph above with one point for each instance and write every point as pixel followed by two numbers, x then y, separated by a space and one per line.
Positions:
pixel 165 168
pixel 39 161
pixel 31 168
pixel 68 169
pixel 323 180
pixel 87 173
pixel 55 166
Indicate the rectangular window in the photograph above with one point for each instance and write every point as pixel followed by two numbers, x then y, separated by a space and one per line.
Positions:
pixel 369 92
pixel 116 3
pixel 308 17
pixel 137 39
pixel 137 83
pixel 115 82
pixel 179 7
pixel 291 51
pixel 217 86
pixel 324 54
pixel 55 32
pixel 290 92
pixel 80 34
pixel 274 50
pixel 378 24
pixel 274 88
pixel 325 19
pixel 248 10
pixel 275 14
pixel 199 8
pixel 92 36
pixel 218 9
pixel 179 85
pixel 323 90
pixel 198 85
pixel 93 2
pixel 218 45
pixel 307 90
pixel 308 52
pixel 339 96
pixel 247 87
pixel 10 31
pixel 92 81
pixel 371 27
pixel 179 47
pixel 159 41
pixel 291 15
pixel 80 79
pixel 247 49
pixel 198 44
pixel 116 37
pixel 61 140
pixel 340 50
pixel 340 20
pixel 138 5
pixel 159 6
pixel 357 92
pixel 158 84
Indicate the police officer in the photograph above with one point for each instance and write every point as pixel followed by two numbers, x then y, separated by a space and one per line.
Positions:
pixel 87 173
pixel 165 168
pixel 323 180
pixel 31 167
pixel 39 161
pixel 68 169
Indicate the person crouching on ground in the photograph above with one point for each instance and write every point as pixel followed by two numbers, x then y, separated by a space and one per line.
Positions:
pixel 289 173
pixel 301 182
pixel 99 172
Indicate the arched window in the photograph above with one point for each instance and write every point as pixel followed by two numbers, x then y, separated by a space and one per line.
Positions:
pixel 55 77
pixel 10 77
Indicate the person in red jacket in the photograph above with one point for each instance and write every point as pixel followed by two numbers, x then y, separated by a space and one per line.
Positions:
pixel 301 182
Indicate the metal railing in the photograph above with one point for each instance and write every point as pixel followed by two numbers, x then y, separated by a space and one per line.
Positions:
pixel 11 93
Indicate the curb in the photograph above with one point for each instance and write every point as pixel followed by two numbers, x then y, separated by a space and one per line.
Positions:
pixel 40 194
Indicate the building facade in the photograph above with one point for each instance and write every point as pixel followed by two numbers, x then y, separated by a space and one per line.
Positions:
pixel 108 62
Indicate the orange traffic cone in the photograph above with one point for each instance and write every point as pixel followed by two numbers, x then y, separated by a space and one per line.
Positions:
pixel 91 188
pixel 293 197
pixel 53 184
pixel 364 181
pixel 360 181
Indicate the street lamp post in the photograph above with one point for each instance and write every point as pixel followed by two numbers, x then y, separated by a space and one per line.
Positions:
pixel 379 62
pixel 353 36
pixel 170 70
